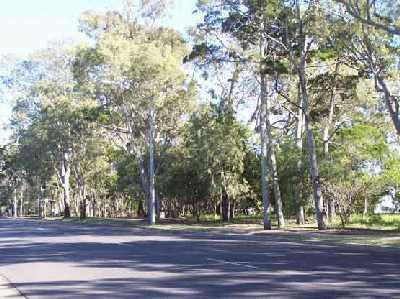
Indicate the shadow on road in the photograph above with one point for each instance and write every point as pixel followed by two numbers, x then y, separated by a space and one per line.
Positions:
pixel 118 262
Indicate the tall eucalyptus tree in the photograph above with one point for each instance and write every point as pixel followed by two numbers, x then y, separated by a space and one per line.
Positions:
pixel 135 73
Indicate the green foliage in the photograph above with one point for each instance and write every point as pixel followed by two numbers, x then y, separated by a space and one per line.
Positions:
pixel 360 144
pixel 217 143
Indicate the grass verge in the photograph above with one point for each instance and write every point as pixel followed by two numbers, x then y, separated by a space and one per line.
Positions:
pixel 372 230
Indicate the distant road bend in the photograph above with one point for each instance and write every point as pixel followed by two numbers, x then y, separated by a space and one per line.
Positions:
pixel 57 260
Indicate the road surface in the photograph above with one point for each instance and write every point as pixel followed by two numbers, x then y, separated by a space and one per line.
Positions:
pixel 60 260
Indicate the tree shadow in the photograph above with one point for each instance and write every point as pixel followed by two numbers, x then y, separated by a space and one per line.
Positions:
pixel 112 262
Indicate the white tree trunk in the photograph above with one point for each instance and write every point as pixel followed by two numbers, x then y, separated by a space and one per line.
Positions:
pixel 15 207
pixel 312 152
pixel 365 212
pixel 277 191
pixel 299 145
pixel 65 176
pixel 264 152
pixel 152 191
pixel 21 207
pixel 328 125
pixel 39 208
pixel 264 136
pixel 325 137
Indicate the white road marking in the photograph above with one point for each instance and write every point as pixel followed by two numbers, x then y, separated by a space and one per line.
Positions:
pixel 240 264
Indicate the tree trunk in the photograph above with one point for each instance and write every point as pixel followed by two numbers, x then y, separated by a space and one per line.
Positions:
pixel 332 210
pixel 39 205
pixel 152 192
pixel 143 182
pixel 82 191
pixel 140 210
pixel 15 206
pixel 365 212
pixel 298 195
pixel 225 206
pixel 158 206
pixel 82 214
pixel 274 169
pixel 391 101
pixel 232 211
pixel 21 208
pixel 325 138
pixel 65 175
pixel 264 150
pixel 44 209
pixel 328 125
pixel 312 152
pixel 83 205
pixel 277 191
pixel 94 207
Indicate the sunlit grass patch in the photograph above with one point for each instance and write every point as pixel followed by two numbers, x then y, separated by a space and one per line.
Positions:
pixel 376 221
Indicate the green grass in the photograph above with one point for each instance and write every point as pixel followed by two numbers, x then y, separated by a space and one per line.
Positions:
pixel 387 222
pixel 378 221
pixel 106 221
pixel 370 230
pixel 211 218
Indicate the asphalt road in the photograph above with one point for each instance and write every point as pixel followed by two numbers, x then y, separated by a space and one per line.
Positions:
pixel 58 260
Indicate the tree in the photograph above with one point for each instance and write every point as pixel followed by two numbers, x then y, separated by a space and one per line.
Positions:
pixel 216 146
pixel 370 42
pixel 234 32
pixel 135 74
pixel 378 14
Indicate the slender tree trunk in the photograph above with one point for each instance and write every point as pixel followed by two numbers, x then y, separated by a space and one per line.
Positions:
pixel 312 152
pixel 140 210
pixel 232 211
pixel 325 138
pixel 81 190
pixel 277 191
pixel 94 207
pixel 143 180
pixel 392 102
pixel 152 191
pixel 158 206
pixel 39 206
pixel 264 136
pixel 235 77
pixel 365 212
pixel 298 195
pixel 65 175
pixel 44 209
pixel 15 206
pixel 274 169
pixel 83 203
pixel 21 208
pixel 264 151
pixel 225 206
pixel 328 125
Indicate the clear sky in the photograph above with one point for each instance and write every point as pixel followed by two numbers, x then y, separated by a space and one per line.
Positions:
pixel 28 25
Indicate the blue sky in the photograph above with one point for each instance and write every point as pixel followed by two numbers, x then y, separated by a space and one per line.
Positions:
pixel 28 25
